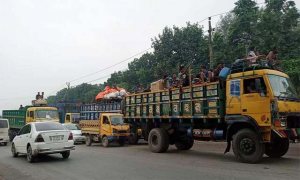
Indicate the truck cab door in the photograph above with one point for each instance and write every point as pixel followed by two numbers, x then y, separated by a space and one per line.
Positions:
pixel 105 126
pixel 255 101
pixel 30 117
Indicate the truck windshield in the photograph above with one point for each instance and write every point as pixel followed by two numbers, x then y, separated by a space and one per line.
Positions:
pixel 3 124
pixel 116 120
pixel 282 87
pixel 48 114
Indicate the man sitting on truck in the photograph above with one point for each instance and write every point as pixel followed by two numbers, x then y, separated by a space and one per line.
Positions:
pixel 38 96
pixel 205 75
pixel 217 71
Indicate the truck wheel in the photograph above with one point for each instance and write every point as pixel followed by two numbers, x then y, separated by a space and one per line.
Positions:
pixel 122 141
pixel 133 138
pixel 158 140
pixel 247 147
pixel 14 151
pixel 30 156
pixel 277 149
pixel 88 140
pixel 66 154
pixel 105 141
pixel 185 144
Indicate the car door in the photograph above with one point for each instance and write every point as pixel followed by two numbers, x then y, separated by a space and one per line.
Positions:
pixel 17 140
pixel 24 138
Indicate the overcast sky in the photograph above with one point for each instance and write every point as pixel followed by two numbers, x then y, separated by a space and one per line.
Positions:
pixel 44 44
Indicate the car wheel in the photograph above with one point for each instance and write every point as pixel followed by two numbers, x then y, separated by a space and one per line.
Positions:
pixel 14 151
pixel 66 154
pixel 105 141
pixel 30 156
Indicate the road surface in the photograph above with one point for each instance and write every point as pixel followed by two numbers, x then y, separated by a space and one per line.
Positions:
pixel 204 161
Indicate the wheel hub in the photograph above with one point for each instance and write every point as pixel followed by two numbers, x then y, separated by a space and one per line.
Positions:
pixel 154 140
pixel 247 146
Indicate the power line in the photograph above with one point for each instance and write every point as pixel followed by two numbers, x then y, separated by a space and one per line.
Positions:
pixel 112 65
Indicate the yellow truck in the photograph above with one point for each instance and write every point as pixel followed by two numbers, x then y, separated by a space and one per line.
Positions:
pixel 107 128
pixel 255 109
pixel 37 112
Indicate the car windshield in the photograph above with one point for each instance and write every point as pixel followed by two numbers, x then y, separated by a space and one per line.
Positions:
pixel 3 124
pixel 72 127
pixel 48 114
pixel 75 118
pixel 48 126
pixel 282 87
pixel 116 120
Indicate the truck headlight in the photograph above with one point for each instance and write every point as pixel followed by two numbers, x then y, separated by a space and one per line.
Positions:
pixel 282 123
pixel 115 130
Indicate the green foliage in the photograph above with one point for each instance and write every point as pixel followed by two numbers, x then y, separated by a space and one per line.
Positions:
pixel 276 24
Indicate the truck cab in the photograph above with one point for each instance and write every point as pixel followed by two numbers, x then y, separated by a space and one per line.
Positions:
pixel 108 128
pixel 72 118
pixel 4 127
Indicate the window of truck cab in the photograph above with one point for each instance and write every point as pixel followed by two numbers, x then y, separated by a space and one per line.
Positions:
pixel 249 86
pixel 46 114
pixel 3 123
pixel 282 87
pixel 116 120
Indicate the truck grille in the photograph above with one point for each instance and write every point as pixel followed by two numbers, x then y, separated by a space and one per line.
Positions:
pixel 293 122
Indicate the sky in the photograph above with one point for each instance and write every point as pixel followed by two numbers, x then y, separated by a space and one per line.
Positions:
pixel 46 43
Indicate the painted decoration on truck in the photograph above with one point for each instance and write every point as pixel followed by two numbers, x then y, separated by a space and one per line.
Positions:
pixel 144 110
pixel 198 108
pixel 157 111
pixel 165 109
pixel 175 109
pixel 235 88
pixel 186 108
pixel 212 93
pixel 197 94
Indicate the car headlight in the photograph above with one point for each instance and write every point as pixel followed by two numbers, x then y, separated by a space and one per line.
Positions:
pixel 115 130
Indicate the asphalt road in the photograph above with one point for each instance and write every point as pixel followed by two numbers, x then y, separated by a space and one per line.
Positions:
pixel 204 161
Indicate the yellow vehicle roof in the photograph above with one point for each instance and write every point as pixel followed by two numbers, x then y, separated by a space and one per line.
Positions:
pixel 256 72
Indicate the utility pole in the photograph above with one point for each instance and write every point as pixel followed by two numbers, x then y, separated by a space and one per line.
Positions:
pixel 211 61
pixel 68 84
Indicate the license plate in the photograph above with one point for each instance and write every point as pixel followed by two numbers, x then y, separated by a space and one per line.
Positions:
pixel 56 138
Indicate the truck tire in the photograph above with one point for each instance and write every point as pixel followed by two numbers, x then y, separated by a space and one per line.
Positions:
pixel 88 140
pixel 247 147
pixel 158 140
pixel 105 141
pixel 185 144
pixel 133 138
pixel 122 141
pixel 277 149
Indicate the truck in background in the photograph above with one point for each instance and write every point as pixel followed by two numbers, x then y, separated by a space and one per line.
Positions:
pixel 108 127
pixel 256 109
pixel 68 112
pixel 37 112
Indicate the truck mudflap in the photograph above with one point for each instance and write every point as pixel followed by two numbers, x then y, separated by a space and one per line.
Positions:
pixel 287 133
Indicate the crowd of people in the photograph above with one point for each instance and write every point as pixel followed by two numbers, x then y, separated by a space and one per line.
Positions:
pixel 253 56
pixel 183 78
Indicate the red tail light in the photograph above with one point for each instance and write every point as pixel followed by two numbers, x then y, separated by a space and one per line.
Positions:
pixel 70 136
pixel 39 138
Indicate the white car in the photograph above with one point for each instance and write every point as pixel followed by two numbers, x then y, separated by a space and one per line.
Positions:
pixel 4 126
pixel 43 138
pixel 76 131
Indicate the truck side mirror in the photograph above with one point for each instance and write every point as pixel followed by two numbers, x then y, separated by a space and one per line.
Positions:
pixel 257 85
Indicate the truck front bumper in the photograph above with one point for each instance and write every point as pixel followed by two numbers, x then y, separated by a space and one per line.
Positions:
pixel 114 137
pixel 288 133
